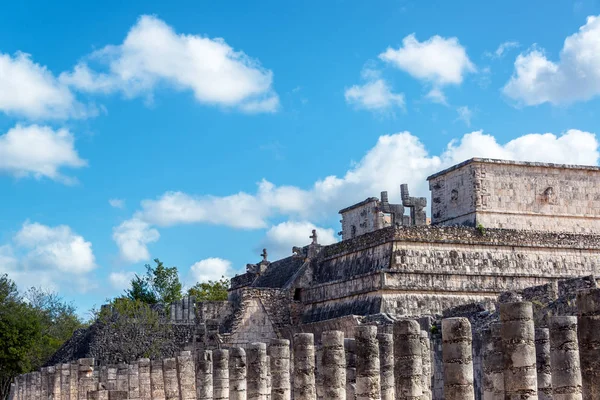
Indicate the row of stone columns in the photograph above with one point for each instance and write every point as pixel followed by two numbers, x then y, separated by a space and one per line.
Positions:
pixel 560 362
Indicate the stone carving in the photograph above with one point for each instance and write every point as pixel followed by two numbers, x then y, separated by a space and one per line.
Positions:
pixel 416 204
pixel 395 210
pixel 299 252
pixel 264 255
pixel 314 237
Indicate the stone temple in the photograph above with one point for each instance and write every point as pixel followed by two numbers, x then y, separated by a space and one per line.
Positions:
pixel 498 231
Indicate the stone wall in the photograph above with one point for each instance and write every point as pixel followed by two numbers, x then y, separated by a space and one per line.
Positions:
pixel 516 195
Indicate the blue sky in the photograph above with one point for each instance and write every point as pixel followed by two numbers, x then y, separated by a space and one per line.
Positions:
pixel 200 132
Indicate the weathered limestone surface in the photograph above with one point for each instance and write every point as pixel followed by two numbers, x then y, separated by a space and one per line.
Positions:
pixel 221 374
pixel 518 344
pixel 564 359
pixel 408 366
pixel 144 379
pixel 170 377
pixel 204 375
pixel 186 376
pixel 426 360
pixel 350 350
pixel 458 359
pixel 237 374
pixel 588 305
pixel 157 383
pixel 279 353
pixel 386 365
pixel 134 381
pixel 257 371
pixel 333 365
pixel 544 371
pixel 304 367
pixel 368 381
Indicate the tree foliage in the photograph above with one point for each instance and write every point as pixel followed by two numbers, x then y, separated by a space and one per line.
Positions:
pixel 32 328
pixel 211 290
pixel 160 285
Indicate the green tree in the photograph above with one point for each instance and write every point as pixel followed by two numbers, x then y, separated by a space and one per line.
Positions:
pixel 211 290
pixel 58 320
pixel 160 285
pixel 20 330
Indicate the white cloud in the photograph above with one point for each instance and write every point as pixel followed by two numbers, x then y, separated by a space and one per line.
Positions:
pixel 48 257
pixel 465 114
pixel 153 54
pixel 121 280
pixel 280 238
pixel 30 90
pixel 132 237
pixel 39 151
pixel 374 95
pixel 440 61
pixel 395 159
pixel 57 248
pixel 437 96
pixel 575 77
pixel 502 49
pixel 117 203
pixel 209 269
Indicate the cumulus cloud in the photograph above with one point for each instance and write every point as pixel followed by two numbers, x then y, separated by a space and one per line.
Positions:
pixel 38 151
pixel 574 77
pixel 121 280
pixel 437 96
pixel 440 61
pixel 30 90
pixel 117 203
pixel 153 54
pixel 133 236
pixel 209 269
pixel 374 95
pixel 395 159
pixel 49 257
pixel 280 238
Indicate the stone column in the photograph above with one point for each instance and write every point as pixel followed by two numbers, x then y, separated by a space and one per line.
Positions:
pixel 44 382
pixel 111 378
pixel 237 374
pixel 144 374
pixel 279 352
pixel 204 375
pixel 564 359
pixel 134 381
pixel 518 344
pixel 74 381
pixel 408 365
pixel 65 378
pixel 350 348
pixel 333 365
pixel 123 377
pixel 269 387
pixel 186 374
pixel 368 384
pixel 12 392
pixel 37 385
pixel 257 371
pixel 542 356
pixel 588 311
pixel 221 374
pixel 457 355
pixel 426 360
pixel 85 377
pixel 52 382
pixel 386 365
pixel 157 381
pixel 493 364
pixel 170 377
pixel 304 367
